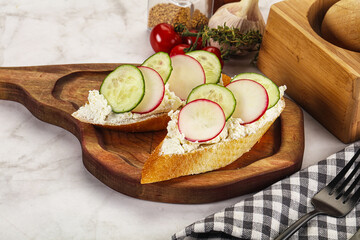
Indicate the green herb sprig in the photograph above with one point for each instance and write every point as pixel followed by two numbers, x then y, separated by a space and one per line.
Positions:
pixel 230 38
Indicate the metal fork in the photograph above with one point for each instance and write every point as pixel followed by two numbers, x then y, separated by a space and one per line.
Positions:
pixel 334 199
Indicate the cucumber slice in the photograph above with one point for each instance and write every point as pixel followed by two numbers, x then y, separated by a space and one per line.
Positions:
pixel 216 93
pixel 161 63
pixel 271 88
pixel 123 88
pixel 210 63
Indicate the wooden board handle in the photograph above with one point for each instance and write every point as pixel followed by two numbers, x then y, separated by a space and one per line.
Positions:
pixel 34 87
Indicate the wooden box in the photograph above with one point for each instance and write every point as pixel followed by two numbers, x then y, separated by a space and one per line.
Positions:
pixel 321 77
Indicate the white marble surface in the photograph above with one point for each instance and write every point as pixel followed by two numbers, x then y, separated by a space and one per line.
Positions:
pixel 45 192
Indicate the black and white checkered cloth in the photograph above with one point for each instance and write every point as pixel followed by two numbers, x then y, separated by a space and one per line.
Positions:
pixel 268 213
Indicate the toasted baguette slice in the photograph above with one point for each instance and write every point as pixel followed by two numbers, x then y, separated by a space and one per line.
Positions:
pixel 161 167
pixel 150 123
pixel 98 112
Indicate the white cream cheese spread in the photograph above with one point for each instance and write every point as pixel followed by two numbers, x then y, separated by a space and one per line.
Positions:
pixel 98 111
pixel 175 142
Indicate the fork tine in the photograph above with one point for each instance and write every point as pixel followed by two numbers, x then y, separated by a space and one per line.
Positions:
pixel 342 173
pixel 355 198
pixel 340 190
pixel 349 190
pixel 331 205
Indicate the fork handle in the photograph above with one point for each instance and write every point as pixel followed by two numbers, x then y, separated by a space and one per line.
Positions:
pixel 298 224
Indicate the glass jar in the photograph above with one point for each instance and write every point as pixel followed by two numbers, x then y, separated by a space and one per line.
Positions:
pixel 192 13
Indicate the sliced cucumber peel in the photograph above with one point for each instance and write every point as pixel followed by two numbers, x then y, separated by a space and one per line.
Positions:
pixel 161 63
pixel 123 88
pixel 210 63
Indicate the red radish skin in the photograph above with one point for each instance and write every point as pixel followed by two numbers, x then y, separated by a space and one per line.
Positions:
pixel 154 91
pixel 187 73
pixel 201 120
pixel 251 98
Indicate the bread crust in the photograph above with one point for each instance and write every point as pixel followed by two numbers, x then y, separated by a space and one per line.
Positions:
pixel 155 122
pixel 164 167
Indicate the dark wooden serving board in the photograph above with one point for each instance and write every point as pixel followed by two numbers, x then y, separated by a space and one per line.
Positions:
pixel 53 93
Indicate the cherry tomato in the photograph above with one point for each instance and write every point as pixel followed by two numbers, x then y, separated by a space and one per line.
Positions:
pixel 178 49
pixel 190 40
pixel 217 52
pixel 163 38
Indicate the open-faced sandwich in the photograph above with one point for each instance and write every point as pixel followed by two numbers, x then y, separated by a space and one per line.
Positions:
pixel 217 126
pixel 133 99
pixel 211 119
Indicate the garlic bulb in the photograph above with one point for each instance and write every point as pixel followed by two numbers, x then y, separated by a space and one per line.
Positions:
pixel 244 15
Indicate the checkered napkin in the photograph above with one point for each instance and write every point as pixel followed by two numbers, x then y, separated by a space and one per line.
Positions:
pixel 268 213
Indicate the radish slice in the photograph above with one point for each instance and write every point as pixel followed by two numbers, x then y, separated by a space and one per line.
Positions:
pixel 271 88
pixel 201 120
pixel 251 99
pixel 187 73
pixel 154 91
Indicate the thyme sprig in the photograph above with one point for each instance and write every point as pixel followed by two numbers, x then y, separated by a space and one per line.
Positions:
pixel 231 39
